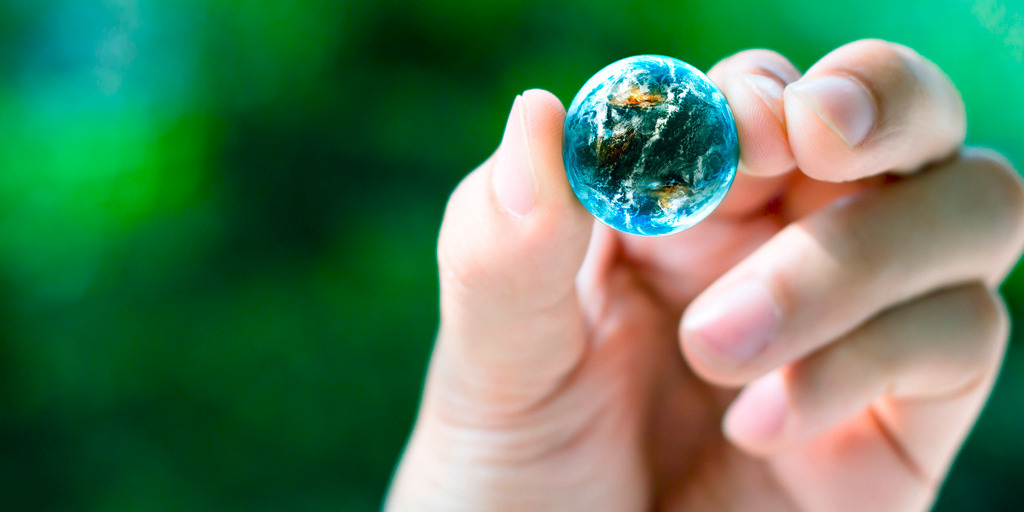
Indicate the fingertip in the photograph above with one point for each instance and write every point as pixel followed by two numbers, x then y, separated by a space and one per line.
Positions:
pixel 761 125
pixel 544 116
pixel 753 82
pixel 757 420
pixel 828 121
pixel 546 103
pixel 512 241
pixel 767 61
pixel 512 177
pixel 725 331
pixel 769 89
pixel 843 103
pixel 513 227
pixel 869 107
pixel 701 362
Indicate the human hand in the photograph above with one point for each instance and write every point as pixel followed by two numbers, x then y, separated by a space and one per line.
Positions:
pixel 846 284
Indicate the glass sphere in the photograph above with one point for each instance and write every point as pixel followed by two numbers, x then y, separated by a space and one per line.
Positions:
pixel 650 145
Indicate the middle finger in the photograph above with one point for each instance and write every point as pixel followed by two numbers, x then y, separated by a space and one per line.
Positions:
pixel 826 274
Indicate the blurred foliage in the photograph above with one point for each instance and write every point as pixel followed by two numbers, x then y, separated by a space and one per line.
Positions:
pixel 217 220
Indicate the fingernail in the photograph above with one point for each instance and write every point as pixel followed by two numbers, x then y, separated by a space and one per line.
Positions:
pixel 759 413
pixel 769 90
pixel 843 103
pixel 736 326
pixel 512 176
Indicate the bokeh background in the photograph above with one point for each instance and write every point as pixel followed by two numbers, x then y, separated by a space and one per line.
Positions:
pixel 217 222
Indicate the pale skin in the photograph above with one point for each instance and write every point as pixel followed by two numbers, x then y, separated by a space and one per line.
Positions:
pixel 823 342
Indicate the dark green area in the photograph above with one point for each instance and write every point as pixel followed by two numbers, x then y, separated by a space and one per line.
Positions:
pixel 217 222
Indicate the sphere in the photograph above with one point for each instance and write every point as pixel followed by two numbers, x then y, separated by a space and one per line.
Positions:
pixel 650 145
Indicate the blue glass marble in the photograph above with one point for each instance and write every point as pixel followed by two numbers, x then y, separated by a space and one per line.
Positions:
pixel 650 145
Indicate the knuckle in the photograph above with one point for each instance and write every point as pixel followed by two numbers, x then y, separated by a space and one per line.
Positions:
pixel 784 283
pixel 458 260
pixel 999 192
pixel 456 270
pixel 799 248
pixel 989 324
pixel 843 233
pixel 1005 186
pixel 461 268
pixel 892 78
pixel 912 92
pixel 835 243
pixel 898 77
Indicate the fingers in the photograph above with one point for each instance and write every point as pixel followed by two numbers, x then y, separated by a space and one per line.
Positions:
pixel 753 82
pixel 940 346
pixel 512 241
pixel 866 108
pixel 679 266
pixel 869 107
pixel 892 454
pixel 821 277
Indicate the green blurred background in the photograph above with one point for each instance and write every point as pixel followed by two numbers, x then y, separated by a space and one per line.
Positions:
pixel 217 222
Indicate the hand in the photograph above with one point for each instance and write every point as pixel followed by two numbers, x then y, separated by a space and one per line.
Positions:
pixel 846 285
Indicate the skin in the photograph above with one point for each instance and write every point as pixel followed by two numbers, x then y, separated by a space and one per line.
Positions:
pixel 576 368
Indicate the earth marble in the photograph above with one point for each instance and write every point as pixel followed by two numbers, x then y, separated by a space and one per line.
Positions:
pixel 650 145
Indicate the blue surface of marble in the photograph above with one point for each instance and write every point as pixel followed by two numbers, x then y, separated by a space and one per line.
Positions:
pixel 650 145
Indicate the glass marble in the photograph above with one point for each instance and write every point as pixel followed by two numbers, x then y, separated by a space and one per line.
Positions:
pixel 650 145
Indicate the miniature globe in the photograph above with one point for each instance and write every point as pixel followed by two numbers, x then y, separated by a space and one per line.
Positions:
pixel 650 145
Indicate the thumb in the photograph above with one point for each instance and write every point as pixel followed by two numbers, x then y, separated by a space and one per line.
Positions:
pixel 512 241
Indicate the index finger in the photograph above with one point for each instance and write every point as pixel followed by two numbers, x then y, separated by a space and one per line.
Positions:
pixel 871 107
